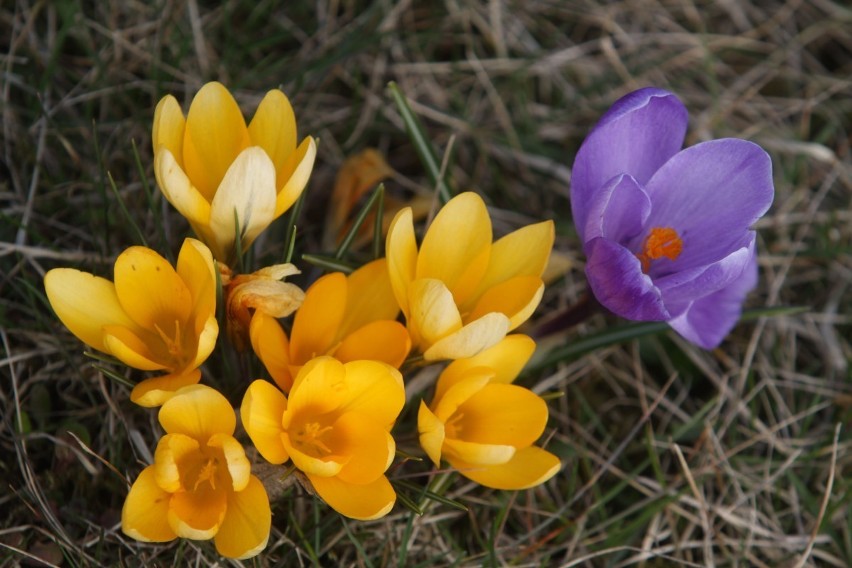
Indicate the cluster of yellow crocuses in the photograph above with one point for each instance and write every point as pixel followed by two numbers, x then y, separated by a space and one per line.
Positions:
pixel 336 388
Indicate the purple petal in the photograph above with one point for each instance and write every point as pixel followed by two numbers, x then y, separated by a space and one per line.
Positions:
pixel 618 210
pixel 636 136
pixel 709 319
pixel 616 279
pixel 711 194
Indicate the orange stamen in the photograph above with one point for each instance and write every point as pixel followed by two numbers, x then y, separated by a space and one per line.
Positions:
pixel 660 242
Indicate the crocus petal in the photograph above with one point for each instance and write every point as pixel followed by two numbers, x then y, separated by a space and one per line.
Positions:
pixel 463 220
pixel 431 431
pixel 239 467
pixel 131 349
pixel 215 134
pixel 320 386
pixel 505 359
pixel 363 438
pixel 296 171
pixel 206 340
pixel 145 510
pixel 199 412
pixel 198 514
pixel 179 191
pixel 85 303
pixel 711 193
pixel 157 390
pixel 517 298
pixel 502 414
pixel 458 393
pixel 169 127
pixel 639 133
pixel 374 389
pixel 384 340
pixel 618 210
pixel 470 339
pixel 150 290
pixel 244 531
pixel 316 324
pixel 527 468
pixel 327 466
pixel 195 267
pixel 246 196
pixel 172 450
pixel 270 344
pixel 617 281
pixel 273 128
pixel 401 250
pixel 261 411
pixel 434 314
pixel 362 502
pixel 479 454
pixel 369 297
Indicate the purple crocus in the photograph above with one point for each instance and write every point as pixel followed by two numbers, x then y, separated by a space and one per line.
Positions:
pixel 667 230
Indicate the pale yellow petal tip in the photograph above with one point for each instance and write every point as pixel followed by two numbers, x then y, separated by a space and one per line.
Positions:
pixel 155 391
pixel 471 339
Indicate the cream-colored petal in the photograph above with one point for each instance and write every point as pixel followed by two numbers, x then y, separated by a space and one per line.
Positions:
pixel 364 440
pixel 369 297
pixel 145 510
pixel 478 454
pixel 261 411
pixel 215 134
pixel 517 298
pixel 157 390
pixel 273 128
pixel 85 303
pixel 317 323
pixel 246 196
pixel 506 359
pixel 270 344
pixel 385 341
pixel 199 412
pixel 471 339
pixel 173 451
pixel 169 127
pixel 248 519
pixel 294 175
pixel 431 431
pixel 528 467
pixel 502 414
pixel 434 314
pixel 362 502
pixel 239 466
pixel 455 247
pixel 401 251
pixel 179 191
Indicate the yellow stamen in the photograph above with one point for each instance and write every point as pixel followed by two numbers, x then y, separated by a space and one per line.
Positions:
pixel 174 345
pixel 207 473
pixel 660 242
pixel 310 436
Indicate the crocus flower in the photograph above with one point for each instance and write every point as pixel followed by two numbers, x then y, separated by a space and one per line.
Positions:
pixel 667 231
pixel 200 485
pixel 217 172
pixel 483 425
pixel 335 426
pixel 461 293
pixel 346 317
pixel 154 317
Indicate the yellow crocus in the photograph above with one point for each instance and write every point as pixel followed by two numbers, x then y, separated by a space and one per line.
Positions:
pixel 216 171
pixel 335 425
pixel 347 317
pixel 483 425
pixel 461 293
pixel 200 485
pixel 153 317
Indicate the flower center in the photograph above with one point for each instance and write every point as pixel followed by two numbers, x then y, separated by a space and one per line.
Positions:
pixel 207 474
pixel 309 439
pixel 174 345
pixel 660 242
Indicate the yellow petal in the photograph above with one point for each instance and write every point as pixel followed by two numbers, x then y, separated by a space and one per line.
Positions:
pixel 141 350
pixel 206 340
pixel 173 450
pixel 198 514
pixel 150 290
pixel 246 196
pixel 261 411
pixel 373 389
pixel 199 412
pixel 478 454
pixel 362 502
pixel 239 467
pixel 179 191
pixel 85 303
pixel 215 134
pixel 369 297
pixel 157 390
pixel 471 339
pixel 169 127
pixel 364 440
pixel 431 432
pixel 195 267
pixel 272 347
pixel 502 414
pixel 248 519
pixel 434 314
pixel 294 175
pixel 401 251
pixel 506 359
pixel 528 467
pixel 455 248
pixel 517 298
pixel 145 510
pixel 321 387
pixel 457 394
pixel 273 128
pixel 327 466
pixel 317 322
pixel 385 341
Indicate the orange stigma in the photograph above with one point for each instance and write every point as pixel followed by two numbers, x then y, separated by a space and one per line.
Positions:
pixel 660 242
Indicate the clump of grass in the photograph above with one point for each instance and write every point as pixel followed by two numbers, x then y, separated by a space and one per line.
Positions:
pixel 673 455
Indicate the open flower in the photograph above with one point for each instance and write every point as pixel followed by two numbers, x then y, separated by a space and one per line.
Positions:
pixel 154 317
pixel 200 485
pixel 218 172
pixel 483 425
pixel 460 292
pixel 346 317
pixel 335 426
pixel 667 231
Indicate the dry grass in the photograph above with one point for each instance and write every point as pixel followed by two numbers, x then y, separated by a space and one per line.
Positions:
pixel 673 456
